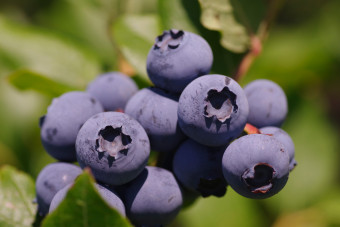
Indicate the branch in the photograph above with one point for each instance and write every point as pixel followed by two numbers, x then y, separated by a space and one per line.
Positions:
pixel 257 40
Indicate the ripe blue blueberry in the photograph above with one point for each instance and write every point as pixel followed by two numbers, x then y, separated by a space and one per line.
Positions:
pixel 114 146
pixel 51 179
pixel 267 103
pixel 109 196
pixel 204 172
pixel 285 139
pixel 213 110
pixel 154 198
pixel 156 111
pixel 177 58
pixel 64 118
pixel 256 166
pixel 112 90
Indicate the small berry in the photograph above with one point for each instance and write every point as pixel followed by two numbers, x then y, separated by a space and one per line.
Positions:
pixel 204 172
pixel 213 110
pixel 267 103
pixel 64 118
pixel 256 166
pixel 114 146
pixel 177 58
pixel 156 111
pixel 113 90
pixel 154 198
pixel 285 139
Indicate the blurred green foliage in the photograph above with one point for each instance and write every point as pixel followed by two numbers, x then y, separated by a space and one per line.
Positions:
pixel 16 192
pixel 57 45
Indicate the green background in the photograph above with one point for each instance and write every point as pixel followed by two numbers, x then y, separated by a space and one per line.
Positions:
pixel 50 47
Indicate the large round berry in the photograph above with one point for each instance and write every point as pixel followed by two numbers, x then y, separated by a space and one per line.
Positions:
pixel 267 103
pixel 156 111
pixel 213 110
pixel 109 196
pixel 114 146
pixel 256 166
pixel 154 198
pixel 177 58
pixel 204 172
pixel 64 118
pixel 285 139
pixel 51 179
pixel 112 90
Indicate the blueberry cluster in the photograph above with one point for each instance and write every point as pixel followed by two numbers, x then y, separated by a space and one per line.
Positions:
pixel 205 129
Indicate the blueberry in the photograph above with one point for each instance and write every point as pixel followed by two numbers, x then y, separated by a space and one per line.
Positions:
pixel 177 58
pixel 256 166
pixel 153 198
pixel 285 139
pixel 267 103
pixel 50 180
pixel 204 172
pixel 213 110
pixel 59 197
pixel 109 196
pixel 156 111
pixel 112 90
pixel 114 146
pixel 60 126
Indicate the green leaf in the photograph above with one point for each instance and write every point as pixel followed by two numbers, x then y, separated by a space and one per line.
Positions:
pixel 219 15
pixel 16 198
pixel 46 53
pixel 135 35
pixel 252 13
pixel 83 206
pixel 27 80
pixel 173 15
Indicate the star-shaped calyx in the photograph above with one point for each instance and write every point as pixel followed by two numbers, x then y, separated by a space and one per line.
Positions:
pixel 259 178
pixel 220 104
pixel 169 40
pixel 113 142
